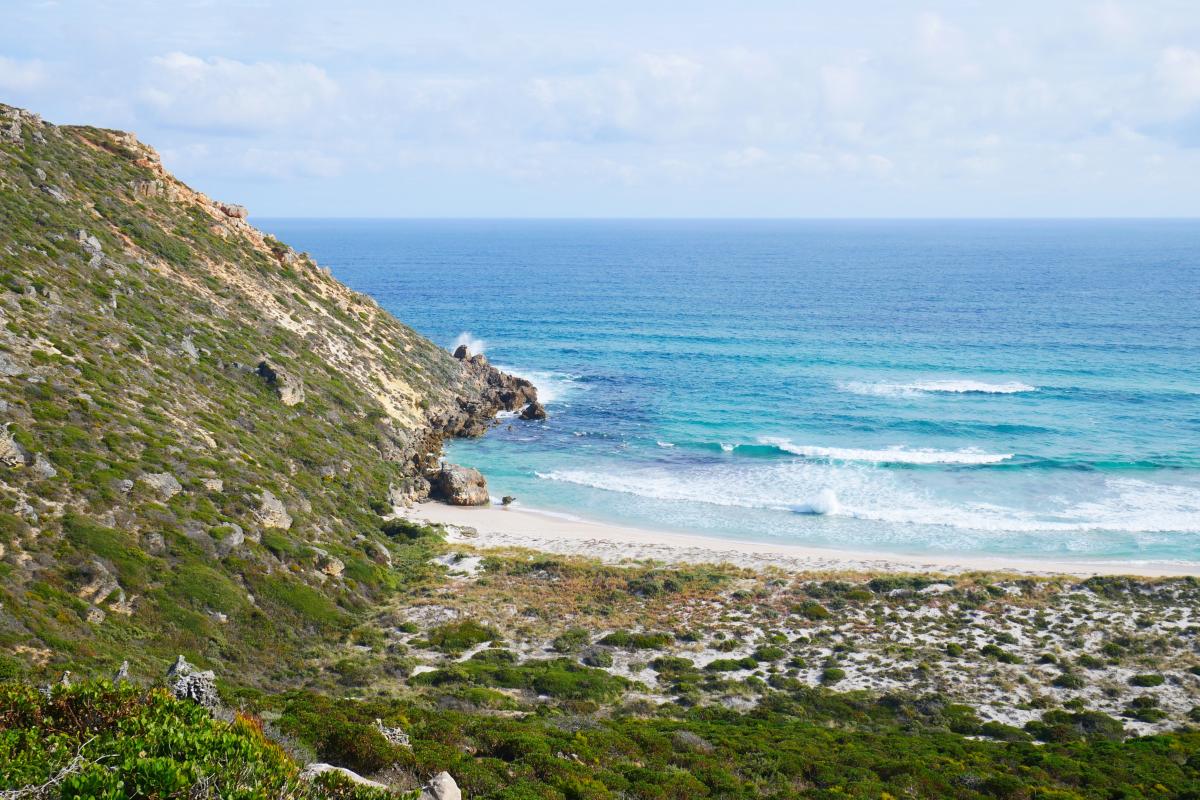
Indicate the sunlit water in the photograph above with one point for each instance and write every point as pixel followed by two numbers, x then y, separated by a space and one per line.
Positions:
pixel 1025 388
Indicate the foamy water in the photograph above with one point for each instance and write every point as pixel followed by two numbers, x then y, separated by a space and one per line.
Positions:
pixel 1020 388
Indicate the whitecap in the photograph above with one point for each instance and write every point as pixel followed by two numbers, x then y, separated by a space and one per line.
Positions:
pixel 891 455
pixel 668 445
pixel 551 386
pixel 825 503
pixel 946 386
pixel 474 346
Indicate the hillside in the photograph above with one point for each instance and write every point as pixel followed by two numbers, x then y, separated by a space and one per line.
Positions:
pixel 201 426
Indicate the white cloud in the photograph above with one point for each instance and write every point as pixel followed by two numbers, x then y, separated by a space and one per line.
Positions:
pixel 1178 73
pixel 21 76
pixel 226 95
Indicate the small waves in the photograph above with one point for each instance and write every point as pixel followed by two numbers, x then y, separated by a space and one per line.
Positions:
pixel 893 455
pixel 860 492
pixel 949 386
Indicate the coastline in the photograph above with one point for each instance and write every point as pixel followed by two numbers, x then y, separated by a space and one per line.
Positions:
pixel 488 527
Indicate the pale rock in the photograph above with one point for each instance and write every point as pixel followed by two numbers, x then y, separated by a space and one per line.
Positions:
pixel 166 484
pixel 271 512
pixel 95 615
pixel 122 673
pixel 232 210
pixel 189 348
pixel 332 566
pixel 154 544
pixel 461 486
pixel 232 540
pixel 311 771
pixel 12 454
pixel 441 787
pixel 43 468
pixel 214 484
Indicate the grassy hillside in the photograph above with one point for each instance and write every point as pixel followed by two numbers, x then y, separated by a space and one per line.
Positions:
pixel 160 492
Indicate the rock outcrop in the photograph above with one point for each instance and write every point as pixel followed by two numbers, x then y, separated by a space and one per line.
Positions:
pixel 188 683
pixel 311 771
pixel 271 511
pixel 534 411
pixel 441 787
pixel 460 486
pixel 289 387
pixel 164 483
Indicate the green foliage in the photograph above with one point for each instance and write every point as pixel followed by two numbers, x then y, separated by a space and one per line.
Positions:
pixel 103 741
pixel 1147 679
pixel 560 678
pixel 454 637
pixel 637 641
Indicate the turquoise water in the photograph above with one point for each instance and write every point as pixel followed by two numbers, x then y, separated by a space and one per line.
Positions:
pixel 1008 387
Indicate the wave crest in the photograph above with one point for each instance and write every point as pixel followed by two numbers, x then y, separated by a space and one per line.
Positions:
pixel 891 455
pixel 948 386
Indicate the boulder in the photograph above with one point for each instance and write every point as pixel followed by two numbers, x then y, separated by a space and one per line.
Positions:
pixel 462 353
pixel 233 210
pixel 311 771
pixel 43 468
pixel 231 541
pixel 331 566
pixel 271 511
pixel 461 486
pixel 188 683
pixel 534 410
pixel 441 787
pixel 164 483
pixel 154 544
pixel 289 388
pixel 11 452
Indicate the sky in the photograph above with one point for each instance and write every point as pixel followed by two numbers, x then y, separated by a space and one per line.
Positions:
pixel 1058 108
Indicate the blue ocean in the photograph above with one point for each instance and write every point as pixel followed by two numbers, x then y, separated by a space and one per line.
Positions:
pixel 1025 388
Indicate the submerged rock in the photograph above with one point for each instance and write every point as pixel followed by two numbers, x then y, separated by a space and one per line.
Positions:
pixel 461 486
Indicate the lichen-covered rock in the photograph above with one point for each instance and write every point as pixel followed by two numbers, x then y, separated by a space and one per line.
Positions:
pixel 271 511
pixel 331 566
pixel 43 468
pixel 461 486
pixel 289 388
pixel 166 484
pixel 188 683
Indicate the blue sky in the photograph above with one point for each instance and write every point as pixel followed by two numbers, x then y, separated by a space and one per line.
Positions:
pixel 792 109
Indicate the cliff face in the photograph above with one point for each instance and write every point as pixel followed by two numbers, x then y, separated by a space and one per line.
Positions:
pixel 200 424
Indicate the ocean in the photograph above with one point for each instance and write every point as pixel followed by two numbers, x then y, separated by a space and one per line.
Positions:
pixel 1022 388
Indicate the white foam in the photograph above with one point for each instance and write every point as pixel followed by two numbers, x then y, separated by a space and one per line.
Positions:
pixel 865 492
pixel 474 346
pixel 947 386
pixel 551 386
pixel 728 448
pixel 891 455
pixel 825 503
pixel 665 444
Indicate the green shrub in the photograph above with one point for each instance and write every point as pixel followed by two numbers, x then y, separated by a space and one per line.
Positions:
pixel 637 641
pixel 1147 679
pixel 832 675
pixel 454 637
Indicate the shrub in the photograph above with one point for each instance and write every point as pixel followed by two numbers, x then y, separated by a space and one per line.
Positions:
pixel 454 637
pixel 637 641
pixel 1147 679
pixel 571 640
pixel 832 675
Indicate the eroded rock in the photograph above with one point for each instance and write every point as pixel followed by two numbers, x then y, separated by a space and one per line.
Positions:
pixel 289 388
pixel 272 513
pixel 188 683
pixel 166 484
pixel 460 486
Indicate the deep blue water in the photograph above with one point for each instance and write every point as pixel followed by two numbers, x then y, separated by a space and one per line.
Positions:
pixel 1019 387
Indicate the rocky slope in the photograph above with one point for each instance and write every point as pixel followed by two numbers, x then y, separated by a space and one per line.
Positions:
pixel 201 427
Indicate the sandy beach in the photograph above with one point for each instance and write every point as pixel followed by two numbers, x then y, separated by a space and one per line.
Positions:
pixel 493 526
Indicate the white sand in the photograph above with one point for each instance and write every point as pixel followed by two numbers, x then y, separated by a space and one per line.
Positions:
pixel 492 526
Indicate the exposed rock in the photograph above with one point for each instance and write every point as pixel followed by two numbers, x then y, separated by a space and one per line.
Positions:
pixel 188 683
pixel 56 193
pixel 102 584
pixel 395 736
pixel 232 210
pixel 214 484
pixel 441 787
pixel 272 513
pixel 534 410
pixel 125 486
pixel 12 454
pixel 154 544
pixel 289 388
pixel 164 483
pixel 311 771
pixel 95 615
pixel 462 353
pixel 232 540
pixel 507 500
pixel 122 673
pixel 43 468
pixel 189 348
pixel 91 245
pixel 331 566
pixel 461 486
pixel 8 367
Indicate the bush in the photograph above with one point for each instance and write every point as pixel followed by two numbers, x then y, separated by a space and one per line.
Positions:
pixel 637 641
pixel 832 675
pixel 454 637
pixel 1147 680
pixel 571 640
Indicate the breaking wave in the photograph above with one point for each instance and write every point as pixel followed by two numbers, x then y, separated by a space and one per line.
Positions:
pixel 952 386
pixel 891 455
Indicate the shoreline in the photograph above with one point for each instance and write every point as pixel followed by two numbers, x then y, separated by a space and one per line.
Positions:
pixel 500 527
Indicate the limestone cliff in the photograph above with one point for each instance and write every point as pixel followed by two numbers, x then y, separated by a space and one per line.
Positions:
pixel 198 421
